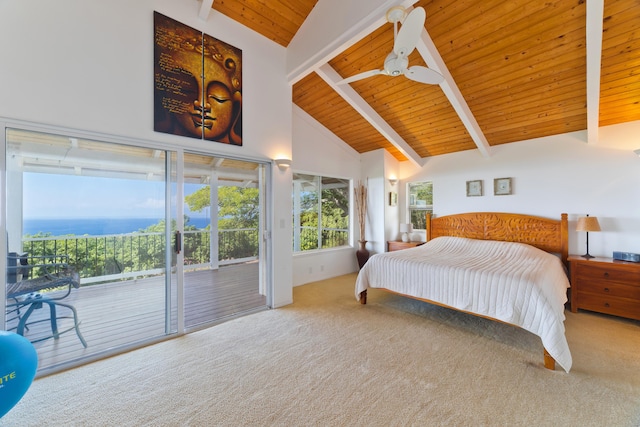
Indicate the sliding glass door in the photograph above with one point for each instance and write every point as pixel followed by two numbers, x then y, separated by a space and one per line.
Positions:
pixel 91 232
pixel 113 245
pixel 223 246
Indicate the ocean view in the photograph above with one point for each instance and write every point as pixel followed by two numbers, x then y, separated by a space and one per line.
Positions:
pixel 96 226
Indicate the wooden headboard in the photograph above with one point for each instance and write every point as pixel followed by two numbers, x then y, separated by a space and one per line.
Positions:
pixel 550 235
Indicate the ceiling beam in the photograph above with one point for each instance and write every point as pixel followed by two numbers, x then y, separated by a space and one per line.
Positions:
pixel 205 9
pixel 331 76
pixel 432 58
pixel 595 15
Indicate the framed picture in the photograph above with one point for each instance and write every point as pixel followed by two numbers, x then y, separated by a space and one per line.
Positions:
pixel 197 83
pixel 502 186
pixel 393 198
pixel 474 188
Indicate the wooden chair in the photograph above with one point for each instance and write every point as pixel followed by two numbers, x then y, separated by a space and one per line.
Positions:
pixel 46 280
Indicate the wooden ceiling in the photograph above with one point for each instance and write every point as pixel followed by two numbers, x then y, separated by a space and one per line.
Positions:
pixel 513 71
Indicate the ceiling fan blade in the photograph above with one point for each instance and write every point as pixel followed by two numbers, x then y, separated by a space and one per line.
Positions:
pixel 361 76
pixel 409 33
pixel 422 74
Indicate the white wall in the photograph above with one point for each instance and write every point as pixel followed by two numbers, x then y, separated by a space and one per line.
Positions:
pixel 373 172
pixel 391 213
pixel 88 66
pixel 317 151
pixel 550 175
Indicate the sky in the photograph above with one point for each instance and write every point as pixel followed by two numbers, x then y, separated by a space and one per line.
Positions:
pixel 70 196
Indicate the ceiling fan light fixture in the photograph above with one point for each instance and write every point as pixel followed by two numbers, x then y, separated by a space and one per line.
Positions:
pixel 394 66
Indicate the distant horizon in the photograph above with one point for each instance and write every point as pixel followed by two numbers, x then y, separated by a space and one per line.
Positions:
pixel 96 226
pixel 103 217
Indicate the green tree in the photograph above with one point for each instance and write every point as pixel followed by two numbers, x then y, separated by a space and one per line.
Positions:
pixel 335 215
pixel 237 207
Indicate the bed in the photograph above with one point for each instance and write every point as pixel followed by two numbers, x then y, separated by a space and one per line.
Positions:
pixel 502 266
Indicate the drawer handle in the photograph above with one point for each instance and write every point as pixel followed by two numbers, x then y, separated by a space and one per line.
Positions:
pixel 606 274
pixel 606 304
pixel 606 289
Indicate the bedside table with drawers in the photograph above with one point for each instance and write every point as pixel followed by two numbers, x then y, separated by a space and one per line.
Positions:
pixel 396 245
pixel 605 285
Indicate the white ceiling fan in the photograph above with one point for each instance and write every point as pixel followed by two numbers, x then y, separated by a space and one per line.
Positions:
pixel 405 42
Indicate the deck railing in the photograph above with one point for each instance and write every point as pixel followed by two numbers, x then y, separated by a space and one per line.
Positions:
pixel 123 256
pixel 329 238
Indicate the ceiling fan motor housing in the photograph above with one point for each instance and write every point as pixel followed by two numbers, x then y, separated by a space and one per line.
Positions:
pixel 394 66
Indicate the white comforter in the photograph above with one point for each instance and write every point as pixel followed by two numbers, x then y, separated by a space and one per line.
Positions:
pixel 512 282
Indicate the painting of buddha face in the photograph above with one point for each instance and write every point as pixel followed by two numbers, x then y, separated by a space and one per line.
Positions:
pixel 198 84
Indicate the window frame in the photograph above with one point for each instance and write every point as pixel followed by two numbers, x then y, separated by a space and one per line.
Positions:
pixel 344 235
pixel 417 207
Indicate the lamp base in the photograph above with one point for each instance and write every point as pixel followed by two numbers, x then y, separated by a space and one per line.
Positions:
pixel 587 256
pixel 405 237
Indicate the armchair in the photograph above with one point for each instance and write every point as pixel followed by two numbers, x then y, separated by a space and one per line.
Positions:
pixel 35 281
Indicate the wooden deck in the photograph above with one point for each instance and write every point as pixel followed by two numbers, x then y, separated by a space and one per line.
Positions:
pixel 120 314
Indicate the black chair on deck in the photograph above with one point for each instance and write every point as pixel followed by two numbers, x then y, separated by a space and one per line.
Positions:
pixel 26 286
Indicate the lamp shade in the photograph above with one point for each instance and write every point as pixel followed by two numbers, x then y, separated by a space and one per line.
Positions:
pixel 588 223
pixel 406 228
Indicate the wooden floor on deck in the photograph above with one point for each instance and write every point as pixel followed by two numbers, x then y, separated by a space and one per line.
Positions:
pixel 119 314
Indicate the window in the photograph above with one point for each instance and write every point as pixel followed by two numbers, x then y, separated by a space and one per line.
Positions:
pixel 320 212
pixel 420 202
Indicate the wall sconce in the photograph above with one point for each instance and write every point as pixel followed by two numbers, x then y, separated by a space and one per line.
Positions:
pixel 283 164
pixel 393 181
pixel 588 223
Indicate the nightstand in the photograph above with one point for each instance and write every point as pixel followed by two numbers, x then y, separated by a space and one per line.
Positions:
pixel 396 245
pixel 605 285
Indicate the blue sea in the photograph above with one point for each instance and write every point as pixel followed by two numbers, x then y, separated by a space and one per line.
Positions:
pixel 96 226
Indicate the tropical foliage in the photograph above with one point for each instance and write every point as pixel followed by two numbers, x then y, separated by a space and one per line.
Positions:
pixel 420 202
pixel 239 211
pixel 332 228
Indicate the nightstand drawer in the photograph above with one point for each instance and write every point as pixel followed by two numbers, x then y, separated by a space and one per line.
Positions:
pixel 397 246
pixel 607 288
pixel 610 305
pixel 608 273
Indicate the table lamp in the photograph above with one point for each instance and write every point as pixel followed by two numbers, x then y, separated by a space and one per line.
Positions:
pixel 588 223
pixel 405 229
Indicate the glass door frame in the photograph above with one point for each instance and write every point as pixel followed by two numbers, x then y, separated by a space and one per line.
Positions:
pixel 172 205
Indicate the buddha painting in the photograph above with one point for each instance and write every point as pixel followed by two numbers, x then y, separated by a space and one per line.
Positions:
pixel 198 84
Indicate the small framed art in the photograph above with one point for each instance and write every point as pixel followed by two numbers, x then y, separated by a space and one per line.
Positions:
pixel 474 188
pixel 502 186
pixel 393 198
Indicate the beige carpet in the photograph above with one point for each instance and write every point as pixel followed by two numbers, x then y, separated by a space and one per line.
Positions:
pixel 328 361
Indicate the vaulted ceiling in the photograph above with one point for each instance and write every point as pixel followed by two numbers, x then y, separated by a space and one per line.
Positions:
pixel 513 70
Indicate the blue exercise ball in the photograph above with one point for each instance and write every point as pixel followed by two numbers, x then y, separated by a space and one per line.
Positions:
pixel 18 365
